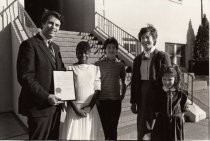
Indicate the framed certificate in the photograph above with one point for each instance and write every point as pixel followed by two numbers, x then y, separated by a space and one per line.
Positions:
pixel 64 85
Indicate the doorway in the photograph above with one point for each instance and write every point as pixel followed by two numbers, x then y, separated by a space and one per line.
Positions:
pixel 35 8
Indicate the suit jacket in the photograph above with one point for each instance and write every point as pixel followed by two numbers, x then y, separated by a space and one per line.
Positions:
pixel 159 58
pixel 35 68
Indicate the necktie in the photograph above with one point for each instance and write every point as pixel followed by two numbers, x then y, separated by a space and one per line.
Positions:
pixel 50 46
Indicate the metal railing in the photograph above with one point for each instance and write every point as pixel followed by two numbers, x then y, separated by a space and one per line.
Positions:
pixel 8 14
pixel 187 84
pixel 16 10
pixel 26 21
pixel 125 40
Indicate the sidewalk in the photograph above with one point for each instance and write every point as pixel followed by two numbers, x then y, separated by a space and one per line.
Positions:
pixel 12 129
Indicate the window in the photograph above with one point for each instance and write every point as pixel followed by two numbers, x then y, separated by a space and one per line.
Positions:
pixel 130 45
pixel 176 52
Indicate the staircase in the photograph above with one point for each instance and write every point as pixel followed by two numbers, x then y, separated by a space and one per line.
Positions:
pixel 68 40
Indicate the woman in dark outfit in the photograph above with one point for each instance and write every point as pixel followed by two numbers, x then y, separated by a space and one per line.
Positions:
pixel 144 82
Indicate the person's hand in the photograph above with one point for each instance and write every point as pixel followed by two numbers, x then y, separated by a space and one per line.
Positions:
pixel 156 114
pixel 134 108
pixel 81 112
pixel 54 100
pixel 183 118
pixel 87 109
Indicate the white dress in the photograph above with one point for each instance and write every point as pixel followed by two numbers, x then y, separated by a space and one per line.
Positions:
pixel 74 127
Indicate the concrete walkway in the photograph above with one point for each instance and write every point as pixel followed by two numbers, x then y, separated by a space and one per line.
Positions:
pixel 12 129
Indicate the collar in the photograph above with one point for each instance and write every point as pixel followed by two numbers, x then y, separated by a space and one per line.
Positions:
pixel 44 38
pixel 147 53
pixel 110 60
pixel 171 89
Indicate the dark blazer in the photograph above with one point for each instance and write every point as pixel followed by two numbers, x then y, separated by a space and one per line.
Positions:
pixel 35 74
pixel 159 58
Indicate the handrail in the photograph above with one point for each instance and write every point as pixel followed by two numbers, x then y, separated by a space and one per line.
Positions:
pixel 192 78
pixel 6 15
pixel 125 40
pixel 26 21
pixel 12 3
pixel 186 85
pixel 116 25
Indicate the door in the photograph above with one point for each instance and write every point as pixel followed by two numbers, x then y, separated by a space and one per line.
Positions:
pixel 79 15
pixel 35 8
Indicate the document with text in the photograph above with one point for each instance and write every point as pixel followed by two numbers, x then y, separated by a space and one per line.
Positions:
pixel 64 85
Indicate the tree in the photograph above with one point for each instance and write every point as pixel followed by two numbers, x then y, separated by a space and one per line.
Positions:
pixel 201 49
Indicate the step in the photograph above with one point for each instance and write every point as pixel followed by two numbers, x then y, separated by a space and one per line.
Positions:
pixel 68 54
pixel 68 39
pixel 69 61
pixel 67 44
pixel 194 113
pixel 201 98
pixel 67 49
pixel 68 32
pixel 75 34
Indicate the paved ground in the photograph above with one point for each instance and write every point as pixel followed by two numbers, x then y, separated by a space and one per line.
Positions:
pixel 12 128
pixel 197 131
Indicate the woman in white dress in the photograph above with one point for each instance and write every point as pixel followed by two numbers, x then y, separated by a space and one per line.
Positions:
pixel 80 119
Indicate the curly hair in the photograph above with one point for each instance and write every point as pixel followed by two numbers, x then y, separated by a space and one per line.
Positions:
pixel 173 71
pixel 151 29
pixel 82 47
pixel 111 40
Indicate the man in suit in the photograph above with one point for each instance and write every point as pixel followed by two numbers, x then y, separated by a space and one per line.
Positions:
pixel 38 57
pixel 146 81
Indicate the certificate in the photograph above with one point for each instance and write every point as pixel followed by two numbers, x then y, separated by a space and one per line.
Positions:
pixel 64 85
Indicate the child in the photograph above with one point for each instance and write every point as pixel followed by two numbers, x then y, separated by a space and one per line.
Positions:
pixel 82 120
pixel 110 99
pixel 171 107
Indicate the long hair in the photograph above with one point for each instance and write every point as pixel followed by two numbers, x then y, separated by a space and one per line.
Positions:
pixel 173 71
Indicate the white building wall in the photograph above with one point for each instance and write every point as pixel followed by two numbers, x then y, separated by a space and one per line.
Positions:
pixel 6 72
pixel 171 19
pixel 99 7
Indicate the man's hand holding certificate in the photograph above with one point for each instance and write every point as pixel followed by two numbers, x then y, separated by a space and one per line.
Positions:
pixel 64 85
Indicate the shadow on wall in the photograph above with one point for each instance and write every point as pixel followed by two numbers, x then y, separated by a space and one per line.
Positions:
pixel 189 46
pixel 6 69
